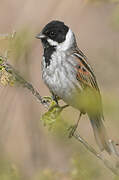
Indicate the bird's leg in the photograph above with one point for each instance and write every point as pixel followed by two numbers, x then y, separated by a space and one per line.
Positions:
pixel 73 128
pixel 56 99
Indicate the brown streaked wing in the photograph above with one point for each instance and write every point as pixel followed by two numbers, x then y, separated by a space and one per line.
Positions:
pixel 86 77
pixel 85 73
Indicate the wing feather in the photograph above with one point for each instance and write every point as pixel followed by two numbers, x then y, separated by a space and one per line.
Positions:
pixel 85 72
pixel 86 77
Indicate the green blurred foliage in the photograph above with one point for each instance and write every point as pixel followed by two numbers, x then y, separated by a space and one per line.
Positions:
pixel 116 178
pixel 111 104
pixel 48 174
pixel 21 44
pixel 115 1
pixel 52 115
pixel 97 1
pixel 53 119
pixel 84 167
pixel 8 171
pixel 115 18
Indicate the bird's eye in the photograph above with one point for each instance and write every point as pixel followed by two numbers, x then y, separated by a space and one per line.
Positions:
pixel 52 33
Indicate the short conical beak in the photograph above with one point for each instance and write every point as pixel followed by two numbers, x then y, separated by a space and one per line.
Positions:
pixel 40 36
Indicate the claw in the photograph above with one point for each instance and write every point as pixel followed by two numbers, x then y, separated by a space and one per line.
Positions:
pixel 72 130
pixel 47 100
pixel 50 102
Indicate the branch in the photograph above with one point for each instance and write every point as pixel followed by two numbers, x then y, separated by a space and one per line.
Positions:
pixel 10 70
pixel 22 81
pixel 107 163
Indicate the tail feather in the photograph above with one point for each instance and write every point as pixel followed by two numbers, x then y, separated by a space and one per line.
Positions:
pixel 100 133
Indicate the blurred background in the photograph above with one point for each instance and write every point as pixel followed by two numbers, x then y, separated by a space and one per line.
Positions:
pixel 28 149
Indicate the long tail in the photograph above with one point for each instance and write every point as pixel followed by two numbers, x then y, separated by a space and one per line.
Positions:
pixel 100 133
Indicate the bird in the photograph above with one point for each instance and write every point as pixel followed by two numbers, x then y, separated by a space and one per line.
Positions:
pixel 69 77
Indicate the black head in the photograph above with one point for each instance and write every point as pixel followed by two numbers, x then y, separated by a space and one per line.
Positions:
pixel 55 30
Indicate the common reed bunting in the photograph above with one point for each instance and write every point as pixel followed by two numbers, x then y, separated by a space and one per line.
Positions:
pixel 69 76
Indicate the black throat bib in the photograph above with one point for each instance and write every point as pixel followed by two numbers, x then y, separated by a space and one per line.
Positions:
pixel 48 51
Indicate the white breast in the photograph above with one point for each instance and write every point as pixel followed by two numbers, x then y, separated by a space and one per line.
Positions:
pixel 60 76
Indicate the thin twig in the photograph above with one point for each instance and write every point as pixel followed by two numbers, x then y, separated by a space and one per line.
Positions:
pixel 92 150
pixel 24 83
pixel 35 93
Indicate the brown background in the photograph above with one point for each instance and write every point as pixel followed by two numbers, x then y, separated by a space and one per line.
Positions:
pixel 23 138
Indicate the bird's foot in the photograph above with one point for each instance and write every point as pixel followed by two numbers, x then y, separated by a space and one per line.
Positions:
pixel 72 130
pixel 51 103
